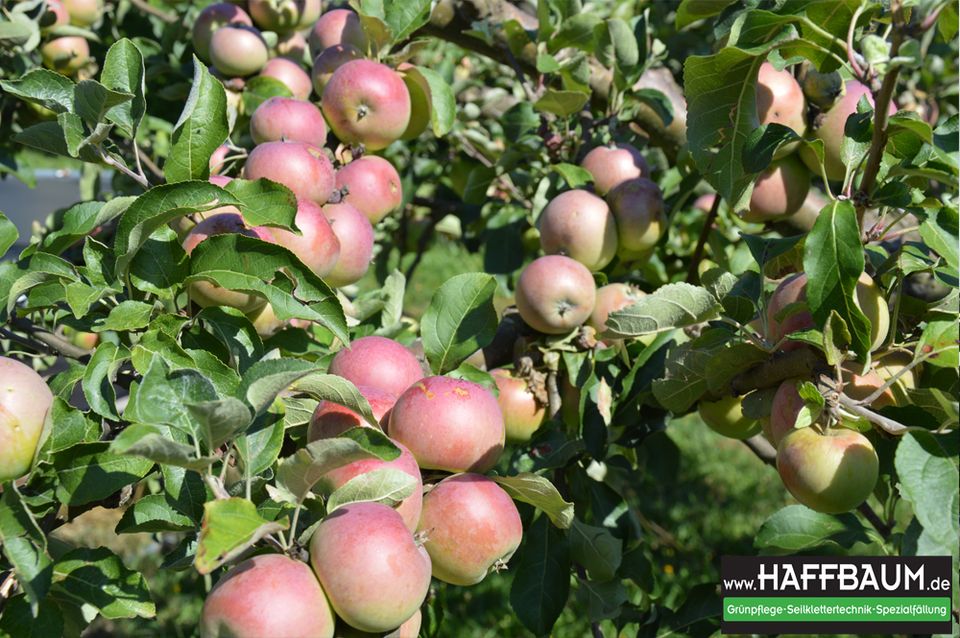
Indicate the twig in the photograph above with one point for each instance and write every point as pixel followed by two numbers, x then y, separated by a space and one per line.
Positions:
pixel 41 339
pixel 931 18
pixel 779 368
pixel 762 448
pixel 138 178
pixel 868 513
pixel 693 275
pixel 148 161
pixel 881 100
pixel 851 53
pixel 146 7
pixel 886 424
pixel 893 379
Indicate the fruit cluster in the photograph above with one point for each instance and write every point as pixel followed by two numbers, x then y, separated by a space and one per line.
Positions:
pixel 68 53
pixel 828 466
pixel 780 190
pixel 374 563
pixel 367 106
pixel 581 232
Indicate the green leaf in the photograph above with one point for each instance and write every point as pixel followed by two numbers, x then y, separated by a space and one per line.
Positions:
pixel 25 547
pixel 67 426
pixel 385 485
pixel 159 205
pixel 300 472
pixel 797 528
pixel 163 396
pixel 762 144
pixel 575 176
pixel 73 133
pixel 126 316
pixel 264 203
pixel 263 382
pixel 690 11
pixel 236 262
pixel 98 379
pixel 160 265
pixel 330 387
pixel 154 443
pixel 49 89
pixel 92 100
pixel 18 621
pixel 941 336
pixel 602 600
pixel 261 88
pixel 833 261
pixel 722 112
pixel 671 306
pixel 51 138
pixel 123 71
pixel 230 526
pixel 153 514
pixel 443 104
pixel 541 584
pixel 202 127
pixel 927 468
pixel 578 32
pixel 221 419
pixel 539 492
pixel 235 331
pixel 90 472
pixel 599 551
pixel 82 219
pixel 259 447
pixel 8 234
pixel 97 577
pixel 562 103
pixel 940 231
pixel 460 320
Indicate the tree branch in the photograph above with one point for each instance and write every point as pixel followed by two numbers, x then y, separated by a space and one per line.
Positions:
pixel 42 339
pixel 762 448
pixel 881 100
pixel 693 276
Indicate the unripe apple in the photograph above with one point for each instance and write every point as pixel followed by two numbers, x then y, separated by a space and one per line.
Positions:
pixel 374 573
pixel 373 186
pixel 84 13
pixel 283 16
pixel 637 205
pixel 613 165
pixel 784 411
pixel 832 472
pixel 265 322
pixel 293 77
pixel 421 106
pixel 267 595
pixel 85 340
pixel 522 413
pixel 779 191
pixel 472 526
pixel 793 290
pixel 25 400
pixel 555 294
pixel 217 159
pixel 611 298
pixel 889 365
pixel 860 386
pixel 317 246
pixel 379 363
pixel 328 61
pixel 449 424
pixel 59 15
pixel 212 18
pixel 67 54
pixel 356 237
pixel 725 416
pixel 366 103
pixel 780 99
pixel 292 46
pixel 288 119
pixel 830 126
pixel 205 293
pixel 303 168
pixel 338 26
pixel 579 224
pixel 238 51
